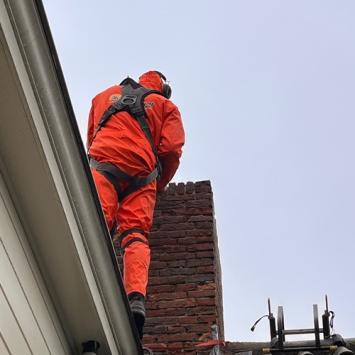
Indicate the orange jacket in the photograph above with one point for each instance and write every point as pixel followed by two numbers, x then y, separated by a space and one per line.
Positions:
pixel 122 142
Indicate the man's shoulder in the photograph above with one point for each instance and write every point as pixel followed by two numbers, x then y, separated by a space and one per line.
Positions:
pixel 108 91
pixel 170 106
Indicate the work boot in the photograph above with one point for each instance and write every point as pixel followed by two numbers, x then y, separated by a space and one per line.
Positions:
pixel 136 303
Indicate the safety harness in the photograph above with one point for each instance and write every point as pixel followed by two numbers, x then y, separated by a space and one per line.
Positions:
pixel 131 101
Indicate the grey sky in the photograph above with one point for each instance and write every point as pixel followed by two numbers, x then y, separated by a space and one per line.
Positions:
pixel 266 90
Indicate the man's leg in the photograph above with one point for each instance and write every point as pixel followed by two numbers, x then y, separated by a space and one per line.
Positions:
pixel 135 217
pixel 108 197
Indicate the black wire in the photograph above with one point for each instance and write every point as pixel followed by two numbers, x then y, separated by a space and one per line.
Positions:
pixel 254 325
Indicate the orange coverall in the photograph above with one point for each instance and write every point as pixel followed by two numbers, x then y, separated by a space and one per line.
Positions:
pixel 122 142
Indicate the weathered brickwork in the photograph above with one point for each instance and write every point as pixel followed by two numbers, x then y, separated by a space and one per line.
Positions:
pixel 184 292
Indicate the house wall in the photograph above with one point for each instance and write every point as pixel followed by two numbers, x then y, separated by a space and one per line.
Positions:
pixel 28 324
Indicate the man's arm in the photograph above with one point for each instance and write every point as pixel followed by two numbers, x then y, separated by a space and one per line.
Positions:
pixel 171 141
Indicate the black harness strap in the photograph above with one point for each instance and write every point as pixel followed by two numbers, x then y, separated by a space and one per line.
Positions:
pixel 131 101
pixel 135 239
pixel 115 175
pixel 129 231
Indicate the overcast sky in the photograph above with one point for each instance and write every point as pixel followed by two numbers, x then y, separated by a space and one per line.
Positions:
pixel 266 90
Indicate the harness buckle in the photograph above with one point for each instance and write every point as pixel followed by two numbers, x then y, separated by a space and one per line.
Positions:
pixel 129 99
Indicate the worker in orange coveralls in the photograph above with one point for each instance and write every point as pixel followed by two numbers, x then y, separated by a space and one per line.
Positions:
pixel 135 139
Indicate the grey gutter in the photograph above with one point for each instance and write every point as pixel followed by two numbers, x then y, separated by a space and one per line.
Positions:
pixel 38 51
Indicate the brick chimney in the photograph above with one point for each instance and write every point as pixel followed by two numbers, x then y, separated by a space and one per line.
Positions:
pixel 184 292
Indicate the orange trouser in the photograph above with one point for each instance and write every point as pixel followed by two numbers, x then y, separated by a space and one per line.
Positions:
pixel 135 211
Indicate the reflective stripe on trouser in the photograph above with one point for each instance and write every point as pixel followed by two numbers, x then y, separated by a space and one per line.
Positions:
pixel 135 211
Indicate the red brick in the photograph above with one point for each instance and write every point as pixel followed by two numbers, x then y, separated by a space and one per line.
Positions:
pixel 199 233
pixel 180 188
pixel 203 186
pixel 162 320
pixel 171 248
pixel 175 256
pixel 161 235
pixel 191 211
pixel 166 280
pixel 201 218
pixel 170 219
pixel 164 204
pixel 205 269
pixel 190 187
pixel 165 312
pixel 158 329
pixel 178 271
pixel 199 328
pixel 167 241
pixel 205 254
pixel 199 262
pixel 186 287
pixel 201 310
pixel 175 329
pixel 176 263
pixel 206 301
pixel 178 226
pixel 187 302
pixel 187 320
pixel 195 239
pixel 151 304
pixel 203 293
pixel 180 198
pixel 153 272
pixel 196 203
pixel 156 264
pixel 168 296
pixel 200 247
pixel 199 278
pixel 206 319
pixel 171 188
pixel 203 225
pixel 160 288
pixel 177 337
pixel 149 339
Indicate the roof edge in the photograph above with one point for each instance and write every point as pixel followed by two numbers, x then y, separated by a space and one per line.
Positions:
pixel 42 65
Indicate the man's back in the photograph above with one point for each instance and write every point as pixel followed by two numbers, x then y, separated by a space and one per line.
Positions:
pixel 122 141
